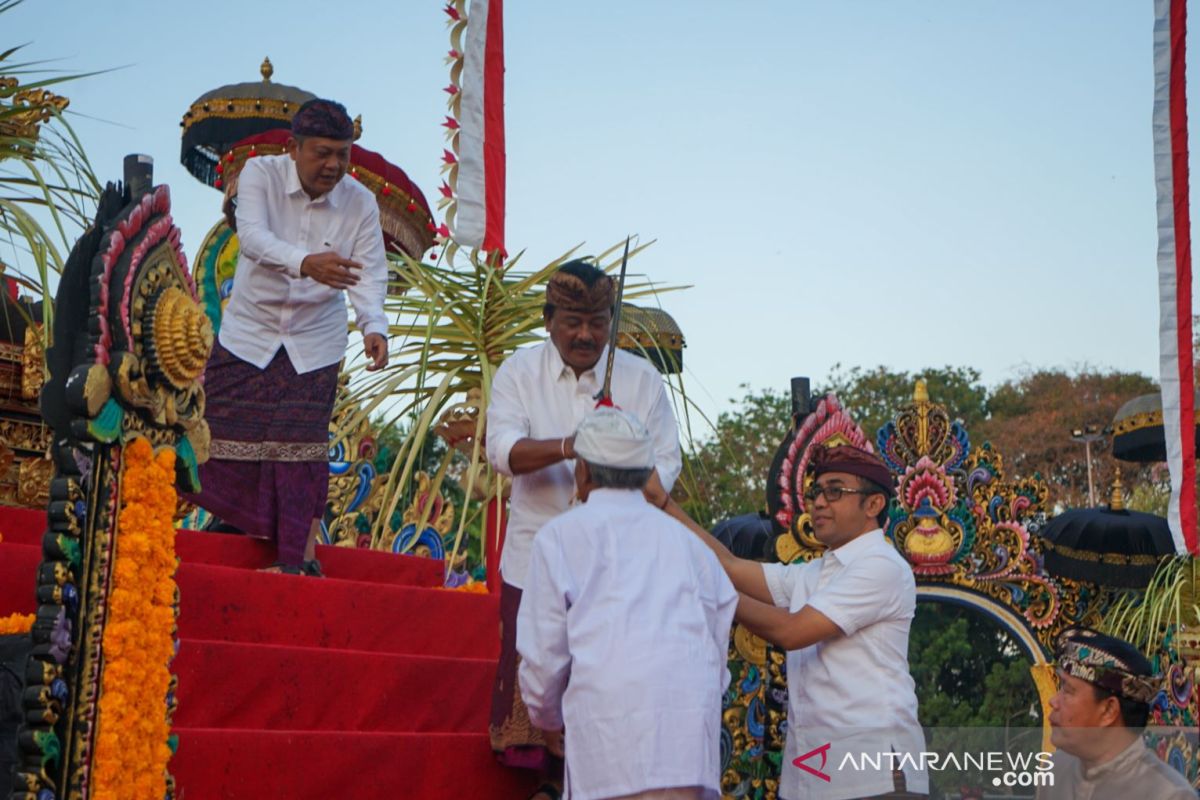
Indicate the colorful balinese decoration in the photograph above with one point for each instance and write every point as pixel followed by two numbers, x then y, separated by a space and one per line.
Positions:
pixel 214 272
pixel 25 467
pixel 354 465
pixel 228 114
pixel 424 524
pixel 16 623
pixel 928 451
pixel 1175 714
pixel 31 107
pixel 126 406
pixel 356 493
pixel 965 528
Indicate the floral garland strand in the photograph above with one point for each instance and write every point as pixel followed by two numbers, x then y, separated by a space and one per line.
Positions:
pixel 16 623
pixel 132 749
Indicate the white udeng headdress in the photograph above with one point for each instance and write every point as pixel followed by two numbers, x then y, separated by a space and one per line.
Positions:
pixel 609 437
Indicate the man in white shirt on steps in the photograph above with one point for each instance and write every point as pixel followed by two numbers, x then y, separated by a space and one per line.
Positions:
pixel 539 397
pixel 308 239
pixel 624 631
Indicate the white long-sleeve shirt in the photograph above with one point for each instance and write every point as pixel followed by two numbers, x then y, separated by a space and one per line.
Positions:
pixel 623 633
pixel 272 305
pixel 536 395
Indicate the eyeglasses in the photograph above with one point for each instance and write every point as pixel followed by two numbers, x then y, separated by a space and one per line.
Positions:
pixel 832 493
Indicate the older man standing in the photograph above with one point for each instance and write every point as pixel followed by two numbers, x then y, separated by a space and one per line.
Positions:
pixel 309 239
pixel 539 397
pixel 1096 719
pixel 624 631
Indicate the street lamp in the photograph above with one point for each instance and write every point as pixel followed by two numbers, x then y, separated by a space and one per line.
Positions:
pixel 1087 435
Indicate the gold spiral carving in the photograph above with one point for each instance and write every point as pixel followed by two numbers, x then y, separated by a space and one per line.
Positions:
pixel 183 337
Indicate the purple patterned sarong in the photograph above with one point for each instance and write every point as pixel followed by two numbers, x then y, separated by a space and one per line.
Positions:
pixel 515 741
pixel 268 468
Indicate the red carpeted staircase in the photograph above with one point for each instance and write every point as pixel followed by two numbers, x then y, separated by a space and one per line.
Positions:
pixel 370 683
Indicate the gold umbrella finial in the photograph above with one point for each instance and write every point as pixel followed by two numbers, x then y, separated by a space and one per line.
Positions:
pixel 1116 501
pixel 920 391
pixel 358 127
pixel 267 70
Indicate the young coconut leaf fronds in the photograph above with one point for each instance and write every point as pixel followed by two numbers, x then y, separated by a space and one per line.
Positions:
pixel 48 190
pixel 1170 602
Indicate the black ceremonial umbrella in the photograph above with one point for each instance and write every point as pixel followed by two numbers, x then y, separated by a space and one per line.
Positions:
pixel 1107 545
pixel 653 334
pixel 226 115
pixel 1138 430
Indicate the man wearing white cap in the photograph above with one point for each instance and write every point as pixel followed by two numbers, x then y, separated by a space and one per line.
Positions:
pixel 623 630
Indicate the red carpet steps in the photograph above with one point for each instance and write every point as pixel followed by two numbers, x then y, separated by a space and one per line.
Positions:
pixel 370 683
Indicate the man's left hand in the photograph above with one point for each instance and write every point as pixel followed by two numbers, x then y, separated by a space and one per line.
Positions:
pixel 375 347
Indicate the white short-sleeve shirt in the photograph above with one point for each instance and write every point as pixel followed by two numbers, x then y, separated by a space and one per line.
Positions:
pixel 853 692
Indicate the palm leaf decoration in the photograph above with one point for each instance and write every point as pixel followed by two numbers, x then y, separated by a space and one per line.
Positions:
pixel 1170 602
pixel 47 187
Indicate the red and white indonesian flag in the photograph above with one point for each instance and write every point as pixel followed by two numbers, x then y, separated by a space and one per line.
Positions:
pixel 1175 267
pixel 479 221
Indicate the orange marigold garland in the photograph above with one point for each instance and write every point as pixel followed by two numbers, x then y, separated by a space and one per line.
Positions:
pixel 131 748
pixel 16 623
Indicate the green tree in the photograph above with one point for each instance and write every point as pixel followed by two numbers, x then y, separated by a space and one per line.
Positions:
pixel 873 396
pixel 729 469
pixel 1031 420
pixel 974 689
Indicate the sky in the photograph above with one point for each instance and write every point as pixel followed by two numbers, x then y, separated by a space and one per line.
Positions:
pixel 912 183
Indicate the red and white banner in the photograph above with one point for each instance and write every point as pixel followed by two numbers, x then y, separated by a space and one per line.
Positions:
pixel 1175 267
pixel 480 188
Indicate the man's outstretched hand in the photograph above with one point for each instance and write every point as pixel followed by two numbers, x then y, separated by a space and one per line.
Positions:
pixel 330 269
pixel 375 347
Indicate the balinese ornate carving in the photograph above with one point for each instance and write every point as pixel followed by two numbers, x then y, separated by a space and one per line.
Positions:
pixel 126 301
pixel 354 491
pixel 424 523
pixel 33 482
pixel 31 436
pixel 33 363
pixel 182 340
pixel 959 521
pixel 31 108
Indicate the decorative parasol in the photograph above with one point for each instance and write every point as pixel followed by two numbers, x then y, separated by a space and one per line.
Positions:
pixel 1138 430
pixel 653 334
pixel 1107 545
pixel 228 114
pixel 404 213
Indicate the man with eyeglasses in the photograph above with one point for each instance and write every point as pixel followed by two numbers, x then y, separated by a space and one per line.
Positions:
pixel 844 619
